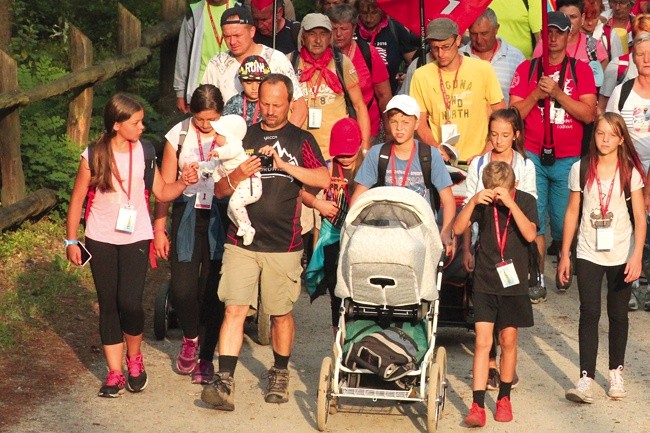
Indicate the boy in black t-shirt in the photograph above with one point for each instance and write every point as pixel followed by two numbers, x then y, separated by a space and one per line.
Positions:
pixel 507 221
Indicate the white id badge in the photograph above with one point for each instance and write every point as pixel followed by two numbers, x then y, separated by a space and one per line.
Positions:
pixel 203 200
pixel 507 273
pixel 448 130
pixel 557 116
pixel 126 219
pixel 604 238
pixel 315 117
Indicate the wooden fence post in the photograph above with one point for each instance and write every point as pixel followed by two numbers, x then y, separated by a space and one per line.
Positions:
pixel 81 106
pixel 11 164
pixel 129 37
pixel 167 102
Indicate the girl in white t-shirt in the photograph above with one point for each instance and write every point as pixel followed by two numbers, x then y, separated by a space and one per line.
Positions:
pixel 610 243
pixel 118 234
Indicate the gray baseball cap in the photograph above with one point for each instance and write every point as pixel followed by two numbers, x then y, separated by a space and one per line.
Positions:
pixel 441 29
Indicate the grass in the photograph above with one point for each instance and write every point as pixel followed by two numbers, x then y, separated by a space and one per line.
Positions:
pixel 37 282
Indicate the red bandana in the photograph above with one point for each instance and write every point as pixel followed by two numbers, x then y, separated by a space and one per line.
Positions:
pixel 331 78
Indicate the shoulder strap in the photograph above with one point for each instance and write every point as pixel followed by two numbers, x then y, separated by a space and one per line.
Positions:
pixel 424 153
pixel 591 46
pixel 295 59
pixel 626 89
pixel 364 47
pixel 338 64
pixel 623 65
pixel 382 164
pixel 572 65
pixel 185 126
pixel 535 67
pixel 393 30
pixel 584 166
pixel 149 163
pixel 481 160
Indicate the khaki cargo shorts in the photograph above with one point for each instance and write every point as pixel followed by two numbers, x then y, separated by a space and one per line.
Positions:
pixel 278 275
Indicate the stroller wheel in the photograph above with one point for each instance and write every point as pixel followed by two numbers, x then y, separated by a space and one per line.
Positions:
pixel 324 393
pixel 433 406
pixel 441 360
pixel 161 312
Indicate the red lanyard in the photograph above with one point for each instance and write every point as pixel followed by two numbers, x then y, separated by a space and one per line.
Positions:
pixel 315 89
pixel 408 165
pixel 218 37
pixel 256 113
pixel 605 206
pixel 198 139
pixel 494 51
pixel 575 50
pixel 501 241
pixel 119 177
pixel 445 98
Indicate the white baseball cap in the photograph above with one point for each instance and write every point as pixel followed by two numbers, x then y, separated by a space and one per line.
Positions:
pixel 404 103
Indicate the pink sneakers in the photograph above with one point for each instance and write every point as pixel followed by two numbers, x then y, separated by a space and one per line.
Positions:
pixel 114 385
pixel 137 380
pixel 504 410
pixel 188 356
pixel 476 416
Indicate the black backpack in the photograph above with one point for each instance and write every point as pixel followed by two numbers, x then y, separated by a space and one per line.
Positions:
pixel 338 63
pixel 424 155
pixel 626 89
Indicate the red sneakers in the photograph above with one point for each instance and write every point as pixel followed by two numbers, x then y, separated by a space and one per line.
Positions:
pixel 476 416
pixel 504 410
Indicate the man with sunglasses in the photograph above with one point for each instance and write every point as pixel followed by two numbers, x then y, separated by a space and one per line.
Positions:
pixel 454 93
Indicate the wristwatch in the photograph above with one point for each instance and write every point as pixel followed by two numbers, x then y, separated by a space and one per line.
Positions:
pixel 68 242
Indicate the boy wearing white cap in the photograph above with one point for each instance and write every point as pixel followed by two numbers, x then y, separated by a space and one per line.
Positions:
pixel 226 157
pixel 404 168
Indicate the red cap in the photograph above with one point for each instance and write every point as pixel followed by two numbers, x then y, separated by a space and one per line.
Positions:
pixel 261 4
pixel 345 138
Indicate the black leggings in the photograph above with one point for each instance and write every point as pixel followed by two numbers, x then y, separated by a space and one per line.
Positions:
pixel 119 272
pixel 590 278
pixel 194 286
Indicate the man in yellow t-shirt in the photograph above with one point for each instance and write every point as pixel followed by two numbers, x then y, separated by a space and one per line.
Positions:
pixel 518 19
pixel 455 93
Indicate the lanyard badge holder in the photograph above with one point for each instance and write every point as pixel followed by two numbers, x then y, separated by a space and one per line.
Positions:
pixel 206 193
pixel 505 268
pixel 557 116
pixel 602 221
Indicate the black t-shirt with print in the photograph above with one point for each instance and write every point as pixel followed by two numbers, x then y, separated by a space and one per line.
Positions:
pixel 486 278
pixel 392 42
pixel 276 215
pixel 286 40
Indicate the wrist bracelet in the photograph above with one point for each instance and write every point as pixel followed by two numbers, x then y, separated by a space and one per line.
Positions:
pixel 230 184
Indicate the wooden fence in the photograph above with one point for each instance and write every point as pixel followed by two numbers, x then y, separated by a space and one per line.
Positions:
pixel 135 48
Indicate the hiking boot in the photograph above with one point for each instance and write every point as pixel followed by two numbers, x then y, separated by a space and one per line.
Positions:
pixel 494 379
pixel 504 410
pixel 537 294
pixel 616 389
pixel 137 380
pixel 221 392
pixel 476 416
pixel 203 373
pixel 188 356
pixel 114 385
pixel 277 390
pixel 582 392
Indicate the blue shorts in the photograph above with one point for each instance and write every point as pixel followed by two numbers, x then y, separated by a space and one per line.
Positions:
pixel 552 193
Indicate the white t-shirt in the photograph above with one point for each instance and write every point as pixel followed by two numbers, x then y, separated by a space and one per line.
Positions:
pixel 621 224
pixel 636 113
pixel 190 153
pixel 223 72
pixel 524 175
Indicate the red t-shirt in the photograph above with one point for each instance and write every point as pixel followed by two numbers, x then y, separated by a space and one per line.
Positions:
pixel 367 83
pixel 567 137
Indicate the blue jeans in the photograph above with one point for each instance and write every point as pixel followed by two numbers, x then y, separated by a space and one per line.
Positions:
pixel 552 193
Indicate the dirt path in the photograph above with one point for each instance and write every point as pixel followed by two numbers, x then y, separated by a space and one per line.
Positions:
pixel 548 360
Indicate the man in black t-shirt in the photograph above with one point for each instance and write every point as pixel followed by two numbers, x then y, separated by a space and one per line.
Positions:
pixel 286 35
pixel 272 261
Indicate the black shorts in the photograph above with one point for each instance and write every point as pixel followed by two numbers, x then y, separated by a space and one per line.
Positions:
pixel 504 311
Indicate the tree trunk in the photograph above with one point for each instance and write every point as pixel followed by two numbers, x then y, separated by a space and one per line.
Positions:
pixel 6 18
pixel 32 205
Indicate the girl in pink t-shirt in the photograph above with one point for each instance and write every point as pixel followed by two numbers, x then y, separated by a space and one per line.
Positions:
pixel 118 233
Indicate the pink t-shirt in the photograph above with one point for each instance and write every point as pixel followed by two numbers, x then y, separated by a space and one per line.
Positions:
pixel 579 50
pixel 106 205
pixel 567 136
pixel 367 82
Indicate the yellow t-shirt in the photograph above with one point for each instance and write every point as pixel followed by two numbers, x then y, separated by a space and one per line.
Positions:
pixel 517 22
pixel 332 105
pixel 210 45
pixel 477 87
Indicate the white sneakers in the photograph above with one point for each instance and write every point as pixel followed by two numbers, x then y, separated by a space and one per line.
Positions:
pixel 616 389
pixel 582 392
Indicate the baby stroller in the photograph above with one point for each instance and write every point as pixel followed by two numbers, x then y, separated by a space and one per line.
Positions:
pixel 389 277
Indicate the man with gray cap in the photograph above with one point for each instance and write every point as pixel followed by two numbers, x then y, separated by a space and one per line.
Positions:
pixel 223 69
pixel 573 104
pixel 324 84
pixel 455 93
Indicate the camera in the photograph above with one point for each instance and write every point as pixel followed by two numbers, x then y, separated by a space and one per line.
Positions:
pixel 265 160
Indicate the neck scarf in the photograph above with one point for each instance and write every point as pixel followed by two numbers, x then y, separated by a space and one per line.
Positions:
pixel 370 35
pixel 330 77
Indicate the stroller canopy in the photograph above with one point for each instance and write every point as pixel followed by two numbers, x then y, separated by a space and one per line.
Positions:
pixel 390 248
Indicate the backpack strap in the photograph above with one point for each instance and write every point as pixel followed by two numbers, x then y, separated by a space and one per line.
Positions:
pixel 424 153
pixel 623 66
pixel 382 164
pixel 481 161
pixel 185 126
pixel 591 46
pixel 364 47
pixel 626 89
pixel 338 64
pixel 294 57
pixel 149 164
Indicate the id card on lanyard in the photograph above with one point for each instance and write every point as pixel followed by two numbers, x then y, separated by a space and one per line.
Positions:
pixel 447 128
pixel 205 195
pixel 505 268
pixel 604 230
pixel 126 216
